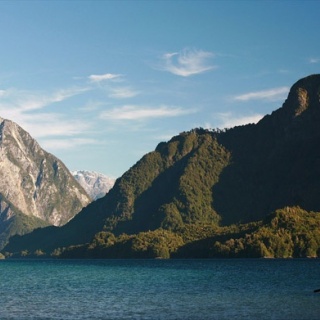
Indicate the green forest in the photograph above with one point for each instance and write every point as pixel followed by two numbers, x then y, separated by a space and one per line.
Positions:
pixel 290 232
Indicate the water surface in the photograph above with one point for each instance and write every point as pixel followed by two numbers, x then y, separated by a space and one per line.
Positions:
pixel 160 289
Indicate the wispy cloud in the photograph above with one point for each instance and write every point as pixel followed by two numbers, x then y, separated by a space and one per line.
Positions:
pixel 50 124
pixel 165 136
pixel 22 100
pixel 92 105
pixel 36 101
pixel 103 77
pixel 229 120
pixel 25 108
pixel 187 62
pixel 274 94
pixel 123 93
pixel 131 112
pixel 65 144
pixel 314 60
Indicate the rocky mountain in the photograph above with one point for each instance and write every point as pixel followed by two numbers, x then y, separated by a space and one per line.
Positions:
pixel 36 189
pixel 202 184
pixel 96 184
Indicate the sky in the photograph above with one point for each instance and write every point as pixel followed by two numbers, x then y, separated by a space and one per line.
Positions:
pixel 101 83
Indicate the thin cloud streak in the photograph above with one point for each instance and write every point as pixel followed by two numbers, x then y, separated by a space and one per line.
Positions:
pixel 103 77
pixel 131 112
pixel 25 109
pixel 123 93
pixel 274 94
pixel 314 60
pixel 187 62
pixel 23 101
pixel 229 120
pixel 65 144
pixel 165 137
pixel 50 125
pixel 38 102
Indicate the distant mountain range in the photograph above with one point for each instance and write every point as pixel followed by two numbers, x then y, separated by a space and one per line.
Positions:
pixel 36 189
pixel 208 193
pixel 96 184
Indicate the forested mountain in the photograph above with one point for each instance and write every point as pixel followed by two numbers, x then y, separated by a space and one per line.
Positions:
pixel 36 189
pixel 276 162
pixel 204 184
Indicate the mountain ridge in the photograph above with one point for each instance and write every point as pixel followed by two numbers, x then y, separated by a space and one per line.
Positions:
pixel 205 179
pixel 272 145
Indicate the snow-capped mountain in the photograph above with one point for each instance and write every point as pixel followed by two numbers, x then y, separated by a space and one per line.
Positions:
pixel 96 184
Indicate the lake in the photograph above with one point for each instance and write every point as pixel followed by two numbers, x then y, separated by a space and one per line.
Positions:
pixel 160 289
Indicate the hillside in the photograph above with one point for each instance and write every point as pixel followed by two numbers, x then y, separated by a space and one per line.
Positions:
pixel 275 162
pixel 201 181
pixel 36 189
pixel 290 232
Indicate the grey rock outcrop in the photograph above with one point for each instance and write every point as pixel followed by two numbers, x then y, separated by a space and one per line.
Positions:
pixel 34 182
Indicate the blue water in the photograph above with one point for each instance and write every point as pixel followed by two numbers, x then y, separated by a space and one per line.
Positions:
pixel 159 289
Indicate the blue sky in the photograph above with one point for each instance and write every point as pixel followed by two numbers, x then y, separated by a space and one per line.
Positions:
pixel 101 83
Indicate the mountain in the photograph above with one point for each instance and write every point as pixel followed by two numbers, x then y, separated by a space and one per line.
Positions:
pixel 36 189
pixel 201 184
pixel 96 184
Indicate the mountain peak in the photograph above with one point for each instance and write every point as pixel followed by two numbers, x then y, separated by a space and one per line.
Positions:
pixel 94 183
pixel 34 184
pixel 305 93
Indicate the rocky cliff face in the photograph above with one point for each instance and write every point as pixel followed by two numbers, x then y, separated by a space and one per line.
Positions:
pixel 34 182
pixel 96 184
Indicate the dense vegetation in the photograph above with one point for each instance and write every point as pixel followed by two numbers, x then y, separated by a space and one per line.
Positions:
pixel 202 193
pixel 287 233
pixel 18 223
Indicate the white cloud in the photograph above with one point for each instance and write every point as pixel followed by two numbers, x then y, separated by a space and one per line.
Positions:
pixel 165 136
pixel 65 144
pixel 123 93
pixel 92 105
pixel 24 108
pixel 2 93
pixel 50 124
pixel 229 120
pixel 35 101
pixel 274 94
pixel 131 112
pixel 22 100
pixel 103 77
pixel 187 62
pixel 314 60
